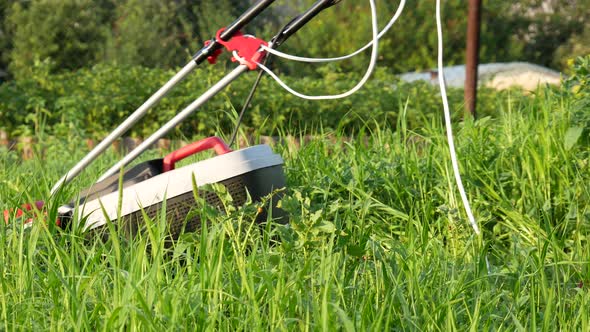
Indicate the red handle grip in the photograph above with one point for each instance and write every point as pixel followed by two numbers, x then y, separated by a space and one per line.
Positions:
pixel 198 146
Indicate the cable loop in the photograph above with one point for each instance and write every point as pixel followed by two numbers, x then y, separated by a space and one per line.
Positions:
pixel 280 54
pixel 359 85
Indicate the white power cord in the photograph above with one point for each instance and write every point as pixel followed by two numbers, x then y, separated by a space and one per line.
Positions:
pixel 374 54
pixel 443 93
pixel 280 54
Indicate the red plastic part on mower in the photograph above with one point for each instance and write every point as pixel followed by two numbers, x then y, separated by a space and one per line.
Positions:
pixel 212 59
pixel 247 47
pixel 168 163
pixel 213 142
pixel 23 209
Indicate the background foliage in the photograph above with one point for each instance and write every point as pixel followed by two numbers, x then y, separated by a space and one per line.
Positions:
pixel 79 33
pixel 92 101
pixel 377 238
pixel 83 65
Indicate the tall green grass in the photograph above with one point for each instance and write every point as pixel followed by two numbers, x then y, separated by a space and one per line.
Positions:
pixel 377 240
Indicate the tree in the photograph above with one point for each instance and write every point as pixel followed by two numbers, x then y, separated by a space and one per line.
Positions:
pixel 70 33
pixel 143 33
pixel 550 25
pixel 576 46
pixel 164 33
pixel 4 39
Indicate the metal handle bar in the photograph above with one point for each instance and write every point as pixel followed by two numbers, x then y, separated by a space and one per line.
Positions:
pixel 252 12
pixel 296 25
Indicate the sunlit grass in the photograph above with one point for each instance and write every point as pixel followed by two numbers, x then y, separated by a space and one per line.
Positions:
pixel 377 240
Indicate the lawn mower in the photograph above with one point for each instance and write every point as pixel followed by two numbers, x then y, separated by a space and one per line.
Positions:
pixel 127 196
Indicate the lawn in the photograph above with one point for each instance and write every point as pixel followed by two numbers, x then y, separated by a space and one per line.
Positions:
pixel 377 239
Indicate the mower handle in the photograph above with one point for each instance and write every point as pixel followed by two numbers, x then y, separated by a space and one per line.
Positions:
pixel 213 142
pixel 215 89
pixel 132 119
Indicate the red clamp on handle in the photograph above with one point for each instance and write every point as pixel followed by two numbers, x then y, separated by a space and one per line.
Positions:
pixel 20 212
pixel 212 59
pixel 198 146
pixel 246 46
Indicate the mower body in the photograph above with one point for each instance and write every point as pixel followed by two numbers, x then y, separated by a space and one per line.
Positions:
pixel 255 171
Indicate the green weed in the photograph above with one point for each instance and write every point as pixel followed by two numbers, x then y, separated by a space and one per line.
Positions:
pixel 377 239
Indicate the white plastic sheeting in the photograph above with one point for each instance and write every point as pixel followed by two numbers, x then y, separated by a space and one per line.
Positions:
pixel 496 75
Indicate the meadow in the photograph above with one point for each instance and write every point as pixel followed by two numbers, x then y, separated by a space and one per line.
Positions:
pixel 377 238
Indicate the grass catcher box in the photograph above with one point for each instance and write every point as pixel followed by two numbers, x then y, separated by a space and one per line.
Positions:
pixel 255 170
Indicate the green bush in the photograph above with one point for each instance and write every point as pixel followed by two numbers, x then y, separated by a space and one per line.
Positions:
pixel 577 88
pixel 93 101
pixel 577 45
pixel 4 40
pixel 523 31
pixel 79 33
pixel 411 43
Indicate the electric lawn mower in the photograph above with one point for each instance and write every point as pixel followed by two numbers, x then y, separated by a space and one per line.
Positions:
pixel 146 187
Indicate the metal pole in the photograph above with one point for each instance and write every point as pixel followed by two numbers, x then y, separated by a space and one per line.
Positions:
pixel 176 120
pixel 472 56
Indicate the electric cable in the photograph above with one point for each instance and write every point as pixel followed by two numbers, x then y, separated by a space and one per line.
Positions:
pixel 280 54
pixel 443 93
pixel 374 44
pixel 359 85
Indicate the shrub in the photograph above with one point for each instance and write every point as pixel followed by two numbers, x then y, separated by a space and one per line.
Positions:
pixel 5 40
pixel 577 88
pixel 80 33
pixel 93 101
